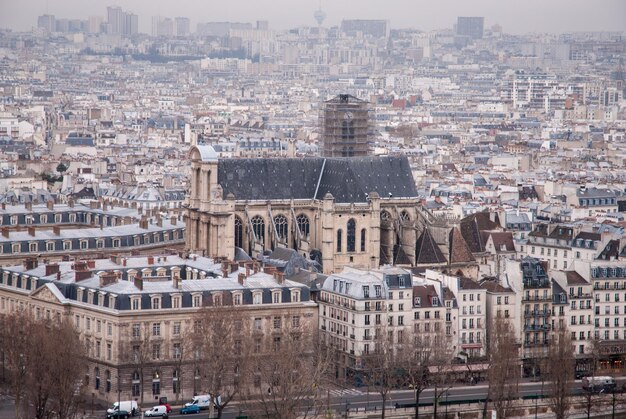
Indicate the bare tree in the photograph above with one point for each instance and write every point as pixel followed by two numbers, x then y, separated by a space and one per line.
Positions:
pixel 185 345
pixel 46 360
pixel 288 370
pixel 224 338
pixel 415 359
pixel 16 342
pixel 441 371
pixel 503 371
pixel 559 367
pixel 68 366
pixel 381 367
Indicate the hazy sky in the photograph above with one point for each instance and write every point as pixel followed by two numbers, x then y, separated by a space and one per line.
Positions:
pixel 515 16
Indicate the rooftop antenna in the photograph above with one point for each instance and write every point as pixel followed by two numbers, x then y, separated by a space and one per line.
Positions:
pixel 319 14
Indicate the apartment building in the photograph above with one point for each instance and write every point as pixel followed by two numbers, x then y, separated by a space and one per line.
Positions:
pixel 126 306
pixel 574 307
pixel 471 319
pixel 356 307
pixel 501 303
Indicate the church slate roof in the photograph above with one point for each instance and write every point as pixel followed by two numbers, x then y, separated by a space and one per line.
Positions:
pixel 427 251
pixel 347 179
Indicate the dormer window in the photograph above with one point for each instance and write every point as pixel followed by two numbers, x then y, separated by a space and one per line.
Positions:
pixel 196 300
pixel 276 297
pixel 366 291
pixel 435 301
pixel 217 299
pixel 295 295
pixel 377 290
pixel 417 301
pixel 156 302
pixel 257 297
pixel 237 299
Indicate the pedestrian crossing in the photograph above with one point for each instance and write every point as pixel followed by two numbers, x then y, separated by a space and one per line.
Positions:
pixel 345 392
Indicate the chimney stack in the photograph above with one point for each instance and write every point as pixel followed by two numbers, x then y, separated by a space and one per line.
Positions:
pixel 241 278
pixel 31 231
pixel 107 278
pixel 279 277
pixel 225 269
pixel 159 221
pixel 28 206
pixel 5 232
pixel 138 282
pixel 56 230
pixel 173 221
pixel 52 268
pixel 30 263
pixel 50 205
pixel 150 260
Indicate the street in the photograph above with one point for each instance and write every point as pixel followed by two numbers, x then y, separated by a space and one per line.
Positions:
pixel 352 399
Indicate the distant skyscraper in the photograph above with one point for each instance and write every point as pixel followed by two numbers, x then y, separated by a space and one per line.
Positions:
pixel 470 26
pixel 120 22
pixel 345 127
pixel 162 26
pixel 182 26
pixel 262 25
pixel 47 23
pixel 115 19
pixel 94 24
pixel 131 24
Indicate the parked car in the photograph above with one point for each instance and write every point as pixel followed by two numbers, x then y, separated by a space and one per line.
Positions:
pixel 192 408
pixel 118 414
pixel 160 411
pixel 127 405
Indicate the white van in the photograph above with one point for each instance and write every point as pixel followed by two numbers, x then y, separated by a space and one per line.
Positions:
pixel 128 405
pixel 160 411
pixel 203 401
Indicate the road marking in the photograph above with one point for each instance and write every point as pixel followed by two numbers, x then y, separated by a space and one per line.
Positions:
pixel 346 392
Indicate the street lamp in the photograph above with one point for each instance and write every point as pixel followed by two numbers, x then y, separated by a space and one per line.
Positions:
pixel 119 391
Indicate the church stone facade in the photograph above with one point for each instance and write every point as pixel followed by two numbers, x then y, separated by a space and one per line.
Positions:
pixel 360 211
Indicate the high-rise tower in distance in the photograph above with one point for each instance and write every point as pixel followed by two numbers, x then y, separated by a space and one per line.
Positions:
pixel 345 127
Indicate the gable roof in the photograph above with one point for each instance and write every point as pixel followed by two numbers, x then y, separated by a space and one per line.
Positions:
pixel 346 179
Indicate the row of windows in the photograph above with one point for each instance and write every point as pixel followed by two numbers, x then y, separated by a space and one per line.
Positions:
pixel 281 227
pixel 85 244
pixel 92 324
pixel 351 238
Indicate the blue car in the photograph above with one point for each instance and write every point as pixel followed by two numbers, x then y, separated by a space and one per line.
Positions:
pixel 192 408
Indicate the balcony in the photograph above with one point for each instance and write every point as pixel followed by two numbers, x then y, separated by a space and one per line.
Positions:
pixel 535 298
pixel 588 295
pixel 367 337
pixel 536 313
pixel 351 336
pixel 538 343
pixel 537 327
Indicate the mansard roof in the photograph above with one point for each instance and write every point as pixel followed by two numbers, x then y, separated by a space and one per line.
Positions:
pixel 346 179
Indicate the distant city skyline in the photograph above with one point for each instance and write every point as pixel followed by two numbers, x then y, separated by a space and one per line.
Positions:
pixel 555 16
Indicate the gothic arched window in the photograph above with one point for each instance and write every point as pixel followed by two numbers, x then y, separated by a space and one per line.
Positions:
pixel 350 235
pixel 363 240
pixel 238 232
pixel 258 227
pixel 304 225
pixel 282 228
pixel 339 238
